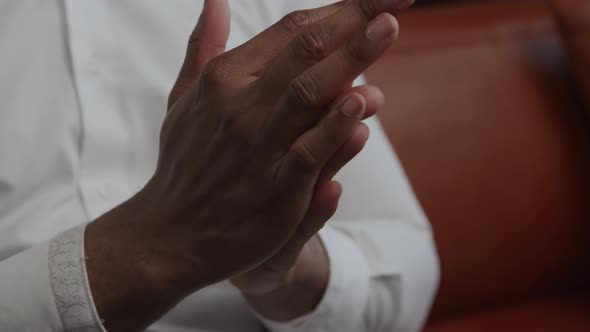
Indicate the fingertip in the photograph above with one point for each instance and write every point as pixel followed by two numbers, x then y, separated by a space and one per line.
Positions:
pixel 375 100
pixel 353 105
pixel 382 27
pixel 338 189
pixel 346 153
pixel 336 193
pixel 355 144
pixel 358 140
pixel 326 198
pixel 330 191
pixel 396 27
pixel 364 132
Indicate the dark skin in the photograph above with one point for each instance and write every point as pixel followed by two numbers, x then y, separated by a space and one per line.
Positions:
pixel 247 153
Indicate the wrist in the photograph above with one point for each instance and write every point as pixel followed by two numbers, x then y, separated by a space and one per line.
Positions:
pixel 127 267
pixel 131 237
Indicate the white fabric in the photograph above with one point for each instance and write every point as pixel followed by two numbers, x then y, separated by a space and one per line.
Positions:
pixel 348 290
pixel 83 86
pixel 69 282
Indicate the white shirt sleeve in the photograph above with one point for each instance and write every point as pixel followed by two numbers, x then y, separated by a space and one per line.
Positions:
pixel 395 297
pixel 45 288
pixel 348 288
pixel 69 282
pixel 383 265
pixel 383 260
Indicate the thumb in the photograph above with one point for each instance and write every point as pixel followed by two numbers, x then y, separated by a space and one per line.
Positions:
pixel 207 41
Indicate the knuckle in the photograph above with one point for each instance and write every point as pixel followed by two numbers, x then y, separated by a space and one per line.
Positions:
pixel 310 45
pixel 304 91
pixel 368 8
pixel 297 20
pixel 215 73
pixel 304 156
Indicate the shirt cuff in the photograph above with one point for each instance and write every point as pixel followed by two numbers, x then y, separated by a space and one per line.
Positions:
pixel 341 307
pixel 69 282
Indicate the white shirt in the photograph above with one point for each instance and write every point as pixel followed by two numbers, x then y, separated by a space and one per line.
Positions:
pixel 83 87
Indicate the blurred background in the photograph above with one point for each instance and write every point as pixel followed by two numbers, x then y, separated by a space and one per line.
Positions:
pixel 486 117
pixel 443 2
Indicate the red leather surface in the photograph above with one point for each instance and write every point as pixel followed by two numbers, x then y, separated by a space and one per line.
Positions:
pixel 483 114
pixel 572 314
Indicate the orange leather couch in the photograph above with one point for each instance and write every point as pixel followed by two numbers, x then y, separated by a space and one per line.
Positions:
pixel 483 112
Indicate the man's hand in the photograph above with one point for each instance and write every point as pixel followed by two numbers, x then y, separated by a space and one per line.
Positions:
pixel 298 274
pixel 208 36
pixel 242 149
pixel 276 271
pixel 574 19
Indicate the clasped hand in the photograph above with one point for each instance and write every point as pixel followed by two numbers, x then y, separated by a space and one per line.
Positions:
pixel 248 150
pixel 254 135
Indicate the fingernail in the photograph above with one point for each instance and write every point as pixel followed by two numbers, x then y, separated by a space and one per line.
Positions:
pixel 352 107
pixel 383 26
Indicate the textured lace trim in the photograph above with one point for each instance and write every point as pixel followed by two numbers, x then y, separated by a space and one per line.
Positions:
pixel 69 282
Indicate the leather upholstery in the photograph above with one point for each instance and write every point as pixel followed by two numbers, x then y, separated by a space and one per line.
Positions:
pixel 483 113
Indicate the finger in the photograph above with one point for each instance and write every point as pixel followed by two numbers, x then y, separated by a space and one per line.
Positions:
pixel 312 150
pixel 345 154
pixel 574 19
pixel 265 47
pixel 323 206
pixel 320 39
pixel 322 83
pixel 207 41
pixel 374 100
